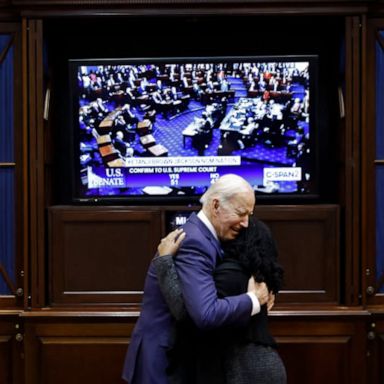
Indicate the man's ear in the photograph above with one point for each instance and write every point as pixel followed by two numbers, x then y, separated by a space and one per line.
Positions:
pixel 215 206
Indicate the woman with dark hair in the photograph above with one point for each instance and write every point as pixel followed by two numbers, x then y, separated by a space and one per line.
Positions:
pixel 231 355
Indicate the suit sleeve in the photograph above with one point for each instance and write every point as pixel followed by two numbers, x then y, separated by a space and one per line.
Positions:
pixel 195 263
pixel 170 285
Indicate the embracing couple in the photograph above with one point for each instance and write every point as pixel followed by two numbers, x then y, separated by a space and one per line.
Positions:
pixel 206 298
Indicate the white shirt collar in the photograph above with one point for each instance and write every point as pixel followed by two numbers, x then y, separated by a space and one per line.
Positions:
pixel 202 216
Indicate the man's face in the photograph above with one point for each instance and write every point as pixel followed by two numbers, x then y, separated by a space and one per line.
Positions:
pixel 232 216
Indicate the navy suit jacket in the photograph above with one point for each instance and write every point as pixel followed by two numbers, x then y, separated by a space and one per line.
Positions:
pixel 146 359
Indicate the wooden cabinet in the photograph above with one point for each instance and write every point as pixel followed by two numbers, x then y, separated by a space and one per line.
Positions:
pixel 11 348
pixel 82 267
pixel 76 347
pixel 322 347
pixel 375 352
pixel 99 255
pixel 316 347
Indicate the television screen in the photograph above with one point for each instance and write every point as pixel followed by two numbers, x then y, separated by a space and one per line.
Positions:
pixel 170 127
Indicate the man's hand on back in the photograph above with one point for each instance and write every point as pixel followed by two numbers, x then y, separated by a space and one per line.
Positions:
pixel 259 289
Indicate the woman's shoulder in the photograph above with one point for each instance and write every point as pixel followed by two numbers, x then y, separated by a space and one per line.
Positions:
pixel 232 266
pixel 229 262
pixel 230 277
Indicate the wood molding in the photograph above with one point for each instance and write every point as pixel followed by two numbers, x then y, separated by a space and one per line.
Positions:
pixel 46 8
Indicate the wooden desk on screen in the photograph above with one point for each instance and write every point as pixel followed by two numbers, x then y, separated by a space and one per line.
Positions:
pixel 106 150
pixel 158 150
pixel 144 127
pixel 104 139
pixel 147 141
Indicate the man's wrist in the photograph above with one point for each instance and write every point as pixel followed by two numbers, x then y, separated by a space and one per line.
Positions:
pixel 255 303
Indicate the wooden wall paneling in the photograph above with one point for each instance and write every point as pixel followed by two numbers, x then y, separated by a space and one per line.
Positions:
pixel 367 164
pixel 34 113
pixel 350 141
pixel 75 348
pixel 11 348
pixel 185 2
pixel 25 168
pixel 42 8
pixel 101 254
pixel 5 358
pixel 375 352
pixel 317 349
pixel 5 3
pixel 307 237
pixel 308 240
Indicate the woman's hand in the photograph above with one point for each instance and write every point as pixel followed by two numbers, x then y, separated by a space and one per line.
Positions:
pixel 170 244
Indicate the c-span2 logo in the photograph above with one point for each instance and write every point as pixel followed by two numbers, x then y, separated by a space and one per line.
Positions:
pixel 282 174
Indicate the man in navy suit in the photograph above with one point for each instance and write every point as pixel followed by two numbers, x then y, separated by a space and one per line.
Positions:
pixel 226 207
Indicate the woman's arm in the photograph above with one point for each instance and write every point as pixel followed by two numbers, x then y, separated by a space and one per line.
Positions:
pixel 167 275
pixel 170 285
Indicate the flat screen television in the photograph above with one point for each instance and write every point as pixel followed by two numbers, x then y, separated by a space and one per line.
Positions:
pixel 165 129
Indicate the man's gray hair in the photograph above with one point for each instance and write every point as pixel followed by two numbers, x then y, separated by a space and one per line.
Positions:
pixel 225 188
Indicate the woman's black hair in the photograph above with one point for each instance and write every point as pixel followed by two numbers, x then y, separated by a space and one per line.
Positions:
pixel 256 250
